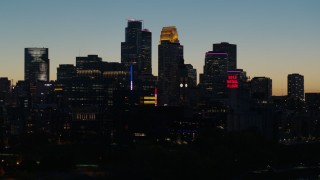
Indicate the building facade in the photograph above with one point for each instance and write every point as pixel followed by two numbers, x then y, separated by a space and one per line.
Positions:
pixel 66 71
pixel 230 49
pixel 296 86
pixel 192 75
pixel 136 50
pixel 215 73
pixel 261 89
pixel 36 64
pixel 170 59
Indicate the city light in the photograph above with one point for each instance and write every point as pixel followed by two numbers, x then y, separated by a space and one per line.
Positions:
pixel 232 82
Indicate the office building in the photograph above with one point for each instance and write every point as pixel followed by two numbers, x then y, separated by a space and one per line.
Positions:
pixel 230 49
pixel 5 84
pixel 170 58
pixel 146 52
pixel 36 64
pixel 261 89
pixel 215 73
pixel 192 75
pixel 296 86
pixel 90 62
pixel 66 71
pixel 136 50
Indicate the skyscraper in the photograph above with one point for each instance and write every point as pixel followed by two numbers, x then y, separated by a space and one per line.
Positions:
pixel 296 86
pixel 146 52
pixel 136 50
pixel 170 58
pixel 261 89
pixel 36 64
pixel 215 73
pixel 231 50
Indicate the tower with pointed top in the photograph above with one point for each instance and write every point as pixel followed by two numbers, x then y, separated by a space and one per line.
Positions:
pixel 170 61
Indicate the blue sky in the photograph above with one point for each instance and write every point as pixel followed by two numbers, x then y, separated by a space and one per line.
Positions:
pixel 274 37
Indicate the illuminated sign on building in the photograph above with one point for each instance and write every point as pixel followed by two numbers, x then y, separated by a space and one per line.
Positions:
pixel 232 82
pixel 148 100
pixel 131 77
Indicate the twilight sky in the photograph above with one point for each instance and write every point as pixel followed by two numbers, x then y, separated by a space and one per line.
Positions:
pixel 274 37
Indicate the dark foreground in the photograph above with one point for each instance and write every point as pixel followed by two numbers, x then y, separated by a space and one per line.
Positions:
pixel 214 155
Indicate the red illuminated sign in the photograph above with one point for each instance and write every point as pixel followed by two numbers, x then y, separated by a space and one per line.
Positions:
pixel 232 82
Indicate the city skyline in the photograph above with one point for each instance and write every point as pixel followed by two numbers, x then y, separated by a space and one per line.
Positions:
pixel 274 39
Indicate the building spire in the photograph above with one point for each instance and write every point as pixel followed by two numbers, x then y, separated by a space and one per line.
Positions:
pixel 169 33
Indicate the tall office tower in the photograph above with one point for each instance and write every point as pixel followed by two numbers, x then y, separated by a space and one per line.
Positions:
pixel 192 75
pixel 66 71
pixel 231 50
pixel 136 50
pixel 170 58
pixel 261 89
pixel 215 73
pixel 296 86
pixel 36 64
pixel 146 52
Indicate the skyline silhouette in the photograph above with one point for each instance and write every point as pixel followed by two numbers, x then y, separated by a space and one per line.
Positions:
pixel 273 41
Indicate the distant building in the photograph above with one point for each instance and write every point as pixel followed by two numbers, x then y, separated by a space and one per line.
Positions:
pixel 243 115
pixel 192 75
pixel 5 85
pixel 261 89
pixel 296 86
pixel 146 52
pixel 170 58
pixel 66 71
pixel 231 50
pixel 36 64
pixel 215 73
pixel 91 82
pixel 136 50
pixel 90 62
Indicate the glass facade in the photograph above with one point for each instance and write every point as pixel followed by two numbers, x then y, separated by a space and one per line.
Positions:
pixel 215 72
pixel 36 64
